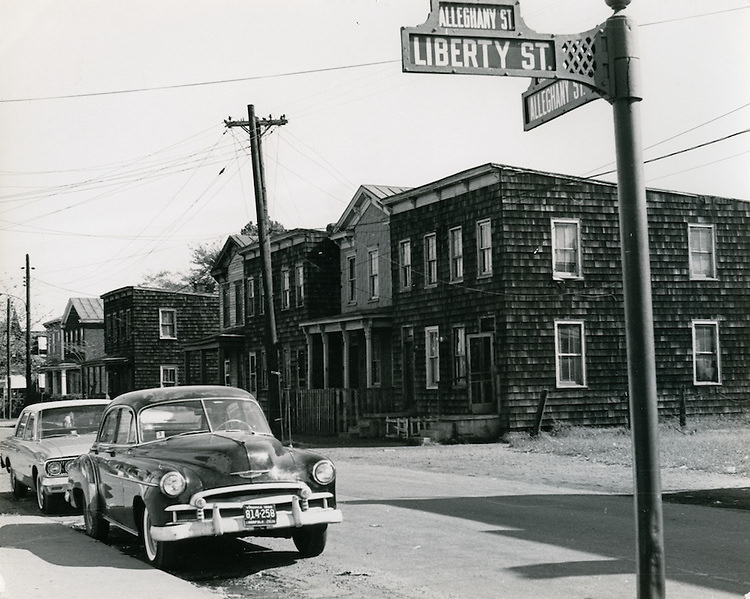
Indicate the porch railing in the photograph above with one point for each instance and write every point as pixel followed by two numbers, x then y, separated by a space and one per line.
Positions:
pixel 333 411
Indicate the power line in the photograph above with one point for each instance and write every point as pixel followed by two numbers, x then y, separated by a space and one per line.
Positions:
pixel 706 14
pixel 683 151
pixel 198 84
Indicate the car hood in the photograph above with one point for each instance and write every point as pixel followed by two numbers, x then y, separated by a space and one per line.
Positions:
pixel 222 459
pixel 66 446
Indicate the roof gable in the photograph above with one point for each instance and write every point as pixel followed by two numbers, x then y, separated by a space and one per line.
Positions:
pixel 366 196
pixel 90 310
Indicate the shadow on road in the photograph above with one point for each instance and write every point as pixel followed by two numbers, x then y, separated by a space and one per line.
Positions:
pixel 603 525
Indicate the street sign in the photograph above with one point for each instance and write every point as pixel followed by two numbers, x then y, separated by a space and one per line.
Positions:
pixel 547 99
pixel 482 37
pixel 477 38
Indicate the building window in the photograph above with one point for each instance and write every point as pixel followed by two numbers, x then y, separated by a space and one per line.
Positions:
pixel 261 296
pixel 570 354
pixel 351 279
pixel 484 248
pixel 430 260
pixel 226 322
pixel 167 324
pixel 252 369
pixel 404 264
pixel 228 373
pixel 372 274
pixel 300 285
pixel 566 253
pixel 239 303
pixel 432 356
pixel 168 376
pixel 286 289
pixel 458 343
pixel 702 252
pixel 706 354
pixel 250 297
pixel 456 252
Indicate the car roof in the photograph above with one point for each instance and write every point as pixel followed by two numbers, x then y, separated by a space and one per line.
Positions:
pixel 65 403
pixel 146 397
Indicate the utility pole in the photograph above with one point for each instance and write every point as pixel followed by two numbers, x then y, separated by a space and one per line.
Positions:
pixel 273 376
pixel 29 389
pixel 7 357
pixel 639 322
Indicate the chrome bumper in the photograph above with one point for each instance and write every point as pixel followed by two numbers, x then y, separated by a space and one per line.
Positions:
pixel 296 506
pixel 219 525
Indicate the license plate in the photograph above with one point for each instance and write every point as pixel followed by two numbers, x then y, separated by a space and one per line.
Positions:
pixel 260 515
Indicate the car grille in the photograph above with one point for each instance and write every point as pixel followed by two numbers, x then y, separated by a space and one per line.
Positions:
pixel 231 500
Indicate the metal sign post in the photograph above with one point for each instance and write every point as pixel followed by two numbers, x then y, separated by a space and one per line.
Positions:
pixel 485 37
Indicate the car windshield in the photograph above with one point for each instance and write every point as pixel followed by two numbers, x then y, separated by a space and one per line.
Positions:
pixel 71 420
pixel 201 416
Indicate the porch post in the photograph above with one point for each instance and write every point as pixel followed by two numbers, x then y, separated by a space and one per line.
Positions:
pixel 346 341
pixel 309 344
pixel 368 353
pixel 325 359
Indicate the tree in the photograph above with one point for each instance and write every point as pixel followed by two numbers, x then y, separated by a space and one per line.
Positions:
pixel 198 277
pixel 202 261
pixel 251 229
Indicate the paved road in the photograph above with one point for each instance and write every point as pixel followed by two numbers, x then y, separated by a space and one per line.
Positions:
pixel 407 534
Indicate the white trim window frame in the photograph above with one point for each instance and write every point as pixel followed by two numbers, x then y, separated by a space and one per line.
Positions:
pixel 702 252
pixel 300 285
pixel 484 248
pixel 567 260
pixel 404 264
pixel 167 323
pixel 432 357
pixel 168 375
pixel 456 254
pixel 706 353
pixel 351 279
pixel 570 354
pixel 250 298
pixel 458 345
pixel 373 278
pixel 286 289
pixel 430 260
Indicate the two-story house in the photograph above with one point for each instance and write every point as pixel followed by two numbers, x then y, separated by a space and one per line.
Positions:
pixel 305 279
pixel 72 340
pixel 507 290
pixel 145 335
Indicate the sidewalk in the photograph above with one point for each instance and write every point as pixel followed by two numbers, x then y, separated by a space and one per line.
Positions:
pixel 42 558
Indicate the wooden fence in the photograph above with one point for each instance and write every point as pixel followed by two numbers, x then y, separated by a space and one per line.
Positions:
pixel 333 411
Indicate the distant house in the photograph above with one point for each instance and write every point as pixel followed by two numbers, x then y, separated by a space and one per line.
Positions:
pixel 72 340
pixel 145 334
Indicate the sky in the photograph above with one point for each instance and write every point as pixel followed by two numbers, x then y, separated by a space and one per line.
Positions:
pixel 115 159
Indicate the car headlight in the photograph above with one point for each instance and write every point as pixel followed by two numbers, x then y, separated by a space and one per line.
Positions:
pixel 54 468
pixel 172 484
pixel 68 464
pixel 323 472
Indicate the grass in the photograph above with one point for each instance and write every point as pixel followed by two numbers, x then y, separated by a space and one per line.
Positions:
pixel 711 444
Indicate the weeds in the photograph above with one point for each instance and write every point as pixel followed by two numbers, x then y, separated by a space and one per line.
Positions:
pixel 711 444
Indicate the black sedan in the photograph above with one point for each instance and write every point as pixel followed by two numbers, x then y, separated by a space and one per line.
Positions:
pixel 177 463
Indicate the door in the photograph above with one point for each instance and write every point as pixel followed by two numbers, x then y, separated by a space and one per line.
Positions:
pixel 407 355
pixel 482 398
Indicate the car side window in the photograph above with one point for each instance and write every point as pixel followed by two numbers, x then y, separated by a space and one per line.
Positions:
pixel 21 428
pixel 28 434
pixel 109 427
pixel 125 428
